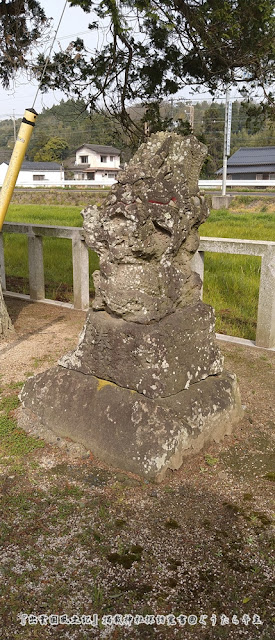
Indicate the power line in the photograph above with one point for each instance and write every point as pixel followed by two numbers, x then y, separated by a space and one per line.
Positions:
pixel 49 54
pixel 73 35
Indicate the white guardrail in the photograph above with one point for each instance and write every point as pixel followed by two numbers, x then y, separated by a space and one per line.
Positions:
pixel 265 333
pixel 203 184
pixel 217 184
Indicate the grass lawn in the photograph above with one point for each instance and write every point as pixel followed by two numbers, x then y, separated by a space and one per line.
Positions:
pixel 231 282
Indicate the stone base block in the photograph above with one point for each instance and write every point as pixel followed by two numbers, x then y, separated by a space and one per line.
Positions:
pixel 221 202
pixel 128 430
pixel 158 359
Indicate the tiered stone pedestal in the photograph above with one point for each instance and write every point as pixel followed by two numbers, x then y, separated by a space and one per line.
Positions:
pixel 140 397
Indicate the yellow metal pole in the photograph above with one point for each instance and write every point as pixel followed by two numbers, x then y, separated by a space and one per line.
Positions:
pixel 20 148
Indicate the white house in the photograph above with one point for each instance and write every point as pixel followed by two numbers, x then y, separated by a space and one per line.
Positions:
pixel 96 162
pixel 33 174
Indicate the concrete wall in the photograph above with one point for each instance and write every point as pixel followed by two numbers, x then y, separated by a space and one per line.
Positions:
pixel 27 177
pixel 81 197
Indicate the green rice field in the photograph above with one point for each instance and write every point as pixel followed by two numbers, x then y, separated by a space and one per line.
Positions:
pixel 57 251
pixel 231 282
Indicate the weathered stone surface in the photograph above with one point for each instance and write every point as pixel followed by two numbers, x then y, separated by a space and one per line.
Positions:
pixel 128 430
pixel 145 385
pixel 147 231
pixel 158 359
pixel 6 327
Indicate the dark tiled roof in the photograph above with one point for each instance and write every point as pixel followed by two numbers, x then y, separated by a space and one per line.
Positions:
pixel 101 148
pixel 40 166
pixel 253 156
pixel 264 168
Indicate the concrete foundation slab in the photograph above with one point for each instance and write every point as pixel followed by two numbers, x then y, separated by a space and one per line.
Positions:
pixel 221 202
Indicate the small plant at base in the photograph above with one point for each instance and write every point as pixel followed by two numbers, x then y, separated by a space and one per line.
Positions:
pixel 210 460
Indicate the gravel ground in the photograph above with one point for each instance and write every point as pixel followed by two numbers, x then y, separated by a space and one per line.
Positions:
pixel 188 558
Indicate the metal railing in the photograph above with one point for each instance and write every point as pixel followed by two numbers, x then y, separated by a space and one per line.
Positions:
pixel 265 333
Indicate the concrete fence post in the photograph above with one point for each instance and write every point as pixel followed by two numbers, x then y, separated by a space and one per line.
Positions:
pixel 36 268
pixel 265 335
pixel 80 273
pixel 197 265
pixel 2 263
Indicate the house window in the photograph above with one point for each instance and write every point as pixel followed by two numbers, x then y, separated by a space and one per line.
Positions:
pixel 103 158
pixel 84 159
pixel 272 176
pixel 38 177
pixel 259 176
pixel 112 158
pixel 112 175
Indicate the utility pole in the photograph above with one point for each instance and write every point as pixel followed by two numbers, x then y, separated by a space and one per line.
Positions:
pixel 14 126
pixel 192 116
pixel 172 108
pixel 227 136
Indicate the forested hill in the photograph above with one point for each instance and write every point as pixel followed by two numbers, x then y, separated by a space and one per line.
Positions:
pixel 64 127
pixel 60 130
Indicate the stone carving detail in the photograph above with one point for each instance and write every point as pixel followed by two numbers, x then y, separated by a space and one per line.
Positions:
pixel 148 231
pixel 145 385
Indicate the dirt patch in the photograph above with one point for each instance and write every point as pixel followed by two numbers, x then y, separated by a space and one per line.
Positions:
pixel 43 333
pixel 80 538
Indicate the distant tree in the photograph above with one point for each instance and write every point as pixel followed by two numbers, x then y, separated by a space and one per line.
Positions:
pixel 38 140
pixel 22 23
pixel 75 124
pixel 155 48
pixel 56 149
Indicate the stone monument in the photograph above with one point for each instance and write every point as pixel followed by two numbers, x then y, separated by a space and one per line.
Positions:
pixel 145 385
